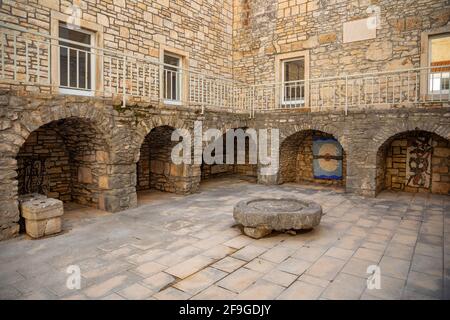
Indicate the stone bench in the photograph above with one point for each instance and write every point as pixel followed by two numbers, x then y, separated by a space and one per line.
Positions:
pixel 42 216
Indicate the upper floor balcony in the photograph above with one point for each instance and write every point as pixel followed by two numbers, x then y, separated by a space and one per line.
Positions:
pixel 71 64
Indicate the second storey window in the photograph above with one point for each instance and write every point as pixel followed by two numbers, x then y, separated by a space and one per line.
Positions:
pixel 172 78
pixel 76 61
pixel 293 73
pixel 439 48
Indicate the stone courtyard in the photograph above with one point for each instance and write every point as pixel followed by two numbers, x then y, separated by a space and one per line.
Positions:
pixel 342 102
pixel 188 247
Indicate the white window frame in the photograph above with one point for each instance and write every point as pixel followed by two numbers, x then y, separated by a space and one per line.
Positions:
pixel 80 92
pixel 179 81
pixel 442 75
pixel 301 101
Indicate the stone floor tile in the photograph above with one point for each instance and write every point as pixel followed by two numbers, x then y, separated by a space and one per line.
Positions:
pixel 400 251
pixel 349 242
pixel 345 287
pixel 106 287
pixel 300 290
pixel 238 242
pixel 425 284
pixel 405 239
pixel 228 264
pixel 394 267
pixel 219 252
pixel 430 250
pixel 277 254
pixel 149 268
pixel 147 256
pixel 368 254
pixel 357 267
pixel 158 281
pixel 113 296
pixel 294 266
pixel 309 253
pixel 339 253
pixel 313 280
pixel 367 296
pixel 391 289
pixel 414 295
pixel 190 266
pixel 326 268
pixel 135 292
pixel 427 264
pixel 280 277
pixel 249 252
pixel 261 290
pixel 215 293
pixel 171 294
pixel 239 280
pixel 200 280
pixel 260 265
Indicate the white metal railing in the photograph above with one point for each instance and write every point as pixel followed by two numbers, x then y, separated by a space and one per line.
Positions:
pixel 388 89
pixel 39 61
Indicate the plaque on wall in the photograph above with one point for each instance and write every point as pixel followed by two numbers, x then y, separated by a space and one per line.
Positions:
pixel 359 30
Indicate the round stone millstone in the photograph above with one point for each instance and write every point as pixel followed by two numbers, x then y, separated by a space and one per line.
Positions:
pixel 261 216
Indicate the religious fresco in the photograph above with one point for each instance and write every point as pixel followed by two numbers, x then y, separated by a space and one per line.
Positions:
pixel 327 158
pixel 418 162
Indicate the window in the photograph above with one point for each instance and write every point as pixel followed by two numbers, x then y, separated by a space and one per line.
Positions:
pixel 172 78
pixel 76 63
pixel 439 61
pixel 293 78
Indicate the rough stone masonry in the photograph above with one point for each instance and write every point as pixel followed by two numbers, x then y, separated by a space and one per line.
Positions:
pixel 93 150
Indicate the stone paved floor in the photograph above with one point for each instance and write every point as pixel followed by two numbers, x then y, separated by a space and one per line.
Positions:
pixel 187 247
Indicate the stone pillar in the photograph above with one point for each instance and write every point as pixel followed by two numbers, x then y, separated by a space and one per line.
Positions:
pixel 9 209
pixel 361 171
pixel 118 188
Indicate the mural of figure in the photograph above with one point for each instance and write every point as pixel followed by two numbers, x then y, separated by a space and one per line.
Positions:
pixel 418 162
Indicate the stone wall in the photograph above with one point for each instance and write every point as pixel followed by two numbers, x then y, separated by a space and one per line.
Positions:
pixel 296 159
pixel 45 154
pixel 361 134
pixel 73 158
pixel 392 164
pixel 202 29
pixel 217 170
pixel 264 29
pixel 155 169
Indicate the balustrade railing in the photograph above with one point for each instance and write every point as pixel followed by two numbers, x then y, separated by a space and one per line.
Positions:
pixel 40 61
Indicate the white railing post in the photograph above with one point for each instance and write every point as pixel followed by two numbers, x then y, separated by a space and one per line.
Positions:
pixel 346 95
pixel 124 82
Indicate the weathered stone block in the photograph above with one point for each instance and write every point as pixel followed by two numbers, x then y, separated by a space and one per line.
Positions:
pixel 42 217
pixel 441 152
pixel 84 175
pixel 379 51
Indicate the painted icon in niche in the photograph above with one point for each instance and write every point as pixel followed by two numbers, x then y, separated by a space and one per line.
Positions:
pixel 327 158
pixel 418 162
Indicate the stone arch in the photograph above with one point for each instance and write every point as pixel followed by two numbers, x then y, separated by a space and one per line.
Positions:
pixel 289 130
pixel 147 125
pixel 246 170
pixel 39 113
pixel 296 158
pixel 30 121
pixel 414 161
pixel 426 125
pixel 154 166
